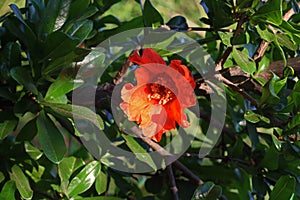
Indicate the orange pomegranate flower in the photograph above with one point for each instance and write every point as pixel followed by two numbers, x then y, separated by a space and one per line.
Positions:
pixel 162 92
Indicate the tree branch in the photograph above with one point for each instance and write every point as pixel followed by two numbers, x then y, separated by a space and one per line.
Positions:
pixel 172 181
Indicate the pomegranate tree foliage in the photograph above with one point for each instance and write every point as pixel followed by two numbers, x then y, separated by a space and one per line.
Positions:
pixel 256 46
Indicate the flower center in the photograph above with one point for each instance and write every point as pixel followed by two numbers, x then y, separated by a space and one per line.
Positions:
pixel 159 93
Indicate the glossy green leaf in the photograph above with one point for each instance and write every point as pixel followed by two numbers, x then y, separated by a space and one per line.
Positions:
pixel 67 166
pixel 84 179
pixel 266 34
pixel 270 12
pixel 81 30
pixel 208 191
pixel 140 153
pixel 244 61
pixel 59 44
pixel 32 151
pixel 50 138
pixel 284 188
pixel 151 16
pixel 21 181
pixel 23 77
pixel 101 183
pixel 254 117
pixel 53 16
pixel 79 112
pixel 7 127
pixel 8 190
pixel 65 61
pixel 63 84
pixel 226 37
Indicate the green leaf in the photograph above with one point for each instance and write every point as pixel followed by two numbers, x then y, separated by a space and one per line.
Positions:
pixel 32 151
pixel 21 181
pixel 225 37
pixel 104 5
pixel 271 159
pixel 151 16
pixel 84 179
pixel 65 61
pixel 79 112
pixel 2 177
pixel 22 76
pixel 140 153
pixel 265 34
pixel 61 86
pixel 244 61
pixel 101 183
pixel 270 12
pixel 286 41
pixel 67 166
pixel 8 190
pixel 216 11
pixel 284 188
pixel 59 44
pixel 77 8
pixel 50 138
pixel 81 30
pixel 53 16
pixel 12 55
pixel 178 23
pixel 254 117
pixel 208 191
pixel 7 127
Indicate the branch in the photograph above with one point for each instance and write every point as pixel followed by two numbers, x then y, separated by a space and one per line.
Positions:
pixel 166 154
pixel 234 87
pixel 172 181
pixel 118 79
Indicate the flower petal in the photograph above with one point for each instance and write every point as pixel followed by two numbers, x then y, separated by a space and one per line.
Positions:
pixel 182 69
pixel 148 56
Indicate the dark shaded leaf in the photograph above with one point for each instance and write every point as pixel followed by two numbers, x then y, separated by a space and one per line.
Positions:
pixel 50 138
pixel 59 44
pixel 178 23
pixel 22 76
pixel 151 16
pixel 284 188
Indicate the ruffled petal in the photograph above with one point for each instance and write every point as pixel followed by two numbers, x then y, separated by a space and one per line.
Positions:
pixel 182 69
pixel 148 56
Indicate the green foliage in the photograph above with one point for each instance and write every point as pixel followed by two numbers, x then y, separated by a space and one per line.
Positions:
pixel 44 43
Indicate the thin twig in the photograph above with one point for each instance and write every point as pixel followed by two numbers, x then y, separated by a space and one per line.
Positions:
pixel 118 79
pixel 237 89
pixel 187 172
pixel 166 155
pixel 172 181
